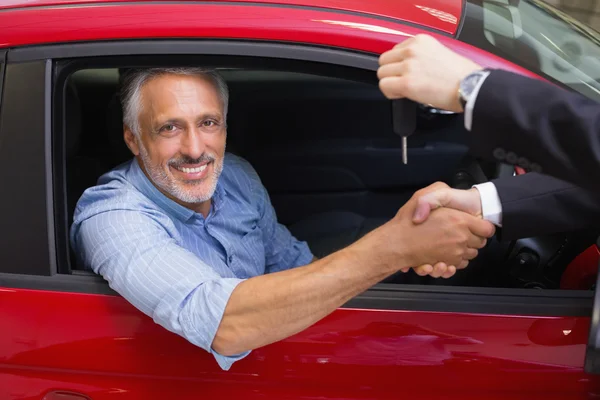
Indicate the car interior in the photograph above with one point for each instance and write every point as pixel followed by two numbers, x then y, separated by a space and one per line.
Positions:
pixel 325 150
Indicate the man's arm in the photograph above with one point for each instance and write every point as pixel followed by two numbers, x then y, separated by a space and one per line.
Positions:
pixel 538 125
pixel 534 204
pixel 138 254
pixel 271 307
pixel 515 119
pixel 530 205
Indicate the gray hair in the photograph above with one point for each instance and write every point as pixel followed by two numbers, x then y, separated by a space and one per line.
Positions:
pixel 133 80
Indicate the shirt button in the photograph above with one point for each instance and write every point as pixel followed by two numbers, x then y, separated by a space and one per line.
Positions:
pixel 230 258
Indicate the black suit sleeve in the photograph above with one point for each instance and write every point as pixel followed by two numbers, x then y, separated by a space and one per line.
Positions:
pixel 535 124
pixel 534 204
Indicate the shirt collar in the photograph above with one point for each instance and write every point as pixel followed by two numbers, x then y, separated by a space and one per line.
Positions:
pixel 144 185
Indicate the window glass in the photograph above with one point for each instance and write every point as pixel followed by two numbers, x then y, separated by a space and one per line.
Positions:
pixel 541 38
pixel 324 149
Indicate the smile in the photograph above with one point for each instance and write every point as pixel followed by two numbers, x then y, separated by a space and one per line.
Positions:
pixel 193 170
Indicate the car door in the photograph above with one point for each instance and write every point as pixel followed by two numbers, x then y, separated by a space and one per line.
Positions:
pixel 65 331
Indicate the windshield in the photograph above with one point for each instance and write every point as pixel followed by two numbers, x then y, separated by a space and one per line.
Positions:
pixel 538 37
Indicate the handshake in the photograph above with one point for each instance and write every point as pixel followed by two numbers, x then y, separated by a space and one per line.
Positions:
pixel 437 232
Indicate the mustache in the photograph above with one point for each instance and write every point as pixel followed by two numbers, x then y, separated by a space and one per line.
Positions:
pixel 178 162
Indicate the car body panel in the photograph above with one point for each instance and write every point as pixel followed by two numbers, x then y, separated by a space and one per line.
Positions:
pixel 102 346
pixel 581 273
pixel 326 28
pixel 435 14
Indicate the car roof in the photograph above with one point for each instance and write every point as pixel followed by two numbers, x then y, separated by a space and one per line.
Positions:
pixel 444 15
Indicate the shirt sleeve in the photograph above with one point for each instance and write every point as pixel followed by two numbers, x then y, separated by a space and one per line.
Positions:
pixel 491 206
pixel 282 250
pixel 471 102
pixel 142 261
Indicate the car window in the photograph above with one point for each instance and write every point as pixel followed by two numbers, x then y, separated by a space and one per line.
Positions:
pixel 541 38
pixel 323 146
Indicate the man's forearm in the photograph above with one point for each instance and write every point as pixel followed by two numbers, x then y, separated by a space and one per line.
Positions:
pixel 553 130
pixel 268 308
pixel 534 204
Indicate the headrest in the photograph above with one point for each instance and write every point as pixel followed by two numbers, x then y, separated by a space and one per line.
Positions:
pixel 72 120
pixel 114 126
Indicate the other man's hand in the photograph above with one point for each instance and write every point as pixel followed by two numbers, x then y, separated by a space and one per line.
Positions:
pixel 468 201
pixel 441 195
pixel 424 70
pixel 448 238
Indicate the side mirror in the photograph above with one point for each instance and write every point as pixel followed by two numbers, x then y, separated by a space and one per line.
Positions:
pixel 502 18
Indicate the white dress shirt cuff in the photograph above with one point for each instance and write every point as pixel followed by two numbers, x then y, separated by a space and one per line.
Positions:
pixel 471 102
pixel 491 207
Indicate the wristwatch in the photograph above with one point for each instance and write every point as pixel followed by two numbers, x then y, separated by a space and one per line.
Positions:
pixel 468 85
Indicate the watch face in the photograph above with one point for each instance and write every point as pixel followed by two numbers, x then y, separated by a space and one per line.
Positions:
pixel 468 84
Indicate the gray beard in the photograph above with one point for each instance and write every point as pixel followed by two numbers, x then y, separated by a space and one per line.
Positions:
pixel 165 183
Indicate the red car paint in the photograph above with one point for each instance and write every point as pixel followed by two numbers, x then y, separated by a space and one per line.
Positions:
pixel 179 20
pixel 101 347
pixel 582 271
pixel 435 14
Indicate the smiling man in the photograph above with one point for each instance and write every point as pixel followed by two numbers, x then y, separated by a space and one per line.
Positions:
pixel 187 233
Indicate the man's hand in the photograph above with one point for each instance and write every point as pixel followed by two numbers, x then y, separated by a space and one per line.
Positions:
pixel 441 195
pixel 446 241
pixel 425 71
pixel 468 201
pixel 268 308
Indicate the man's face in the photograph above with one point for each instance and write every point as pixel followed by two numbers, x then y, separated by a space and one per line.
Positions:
pixel 182 137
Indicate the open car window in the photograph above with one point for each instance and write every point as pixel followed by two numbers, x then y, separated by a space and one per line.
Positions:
pixel 322 143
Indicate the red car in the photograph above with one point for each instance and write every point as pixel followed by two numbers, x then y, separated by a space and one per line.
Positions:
pixel 304 96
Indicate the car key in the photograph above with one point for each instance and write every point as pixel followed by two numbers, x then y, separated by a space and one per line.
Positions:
pixel 404 122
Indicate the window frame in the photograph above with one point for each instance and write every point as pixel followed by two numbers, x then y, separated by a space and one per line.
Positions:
pixel 31 194
pixel 502 301
pixel 2 67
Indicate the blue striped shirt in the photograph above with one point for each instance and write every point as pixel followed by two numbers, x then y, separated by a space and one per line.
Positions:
pixel 170 262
